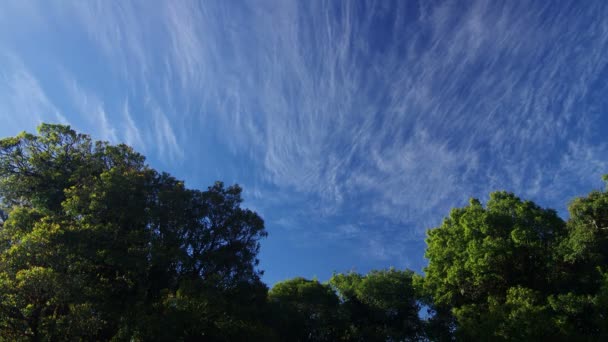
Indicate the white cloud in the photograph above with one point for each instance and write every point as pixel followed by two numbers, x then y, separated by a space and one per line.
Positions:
pixel 91 107
pixel 132 135
pixel 378 112
pixel 167 143
pixel 332 103
pixel 24 104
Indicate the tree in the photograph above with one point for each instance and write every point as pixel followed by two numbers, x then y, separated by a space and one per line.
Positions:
pixel 494 267
pixel 379 306
pixel 305 310
pixel 97 245
pixel 582 312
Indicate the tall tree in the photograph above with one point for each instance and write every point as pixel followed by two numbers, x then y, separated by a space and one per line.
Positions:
pixel 97 245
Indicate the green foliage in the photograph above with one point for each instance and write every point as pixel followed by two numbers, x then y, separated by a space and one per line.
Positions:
pixel 379 306
pixel 305 310
pixel 513 271
pixel 96 245
pixel 484 251
pixel 582 311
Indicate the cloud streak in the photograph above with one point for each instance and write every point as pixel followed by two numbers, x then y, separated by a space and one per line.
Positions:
pixel 23 102
pixel 412 107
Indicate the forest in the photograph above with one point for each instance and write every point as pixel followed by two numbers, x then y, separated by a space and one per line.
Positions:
pixel 95 245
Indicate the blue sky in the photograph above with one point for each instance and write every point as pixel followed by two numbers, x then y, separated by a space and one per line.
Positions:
pixel 353 126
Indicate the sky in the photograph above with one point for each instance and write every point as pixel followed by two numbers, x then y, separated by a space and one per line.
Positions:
pixel 353 126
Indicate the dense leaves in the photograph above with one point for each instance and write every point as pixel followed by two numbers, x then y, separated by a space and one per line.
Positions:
pixel 513 271
pixel 305 310
pixel 379 306
pixel 96 245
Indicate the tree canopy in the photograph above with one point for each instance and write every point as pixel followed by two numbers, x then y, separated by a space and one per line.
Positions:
pixel 514 271
pixel 96 245
pixel 379 306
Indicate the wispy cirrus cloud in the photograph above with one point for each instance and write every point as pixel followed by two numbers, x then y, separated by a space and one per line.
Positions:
pixel 132 135
pixel 358 100
pixel 89 106
pixel 165 138
pixel 23 102
pixel 404 110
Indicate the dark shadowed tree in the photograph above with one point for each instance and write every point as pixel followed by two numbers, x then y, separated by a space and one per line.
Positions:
pixel 379 306
pixel 305 310
pixel 581 312
pixel 96 245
